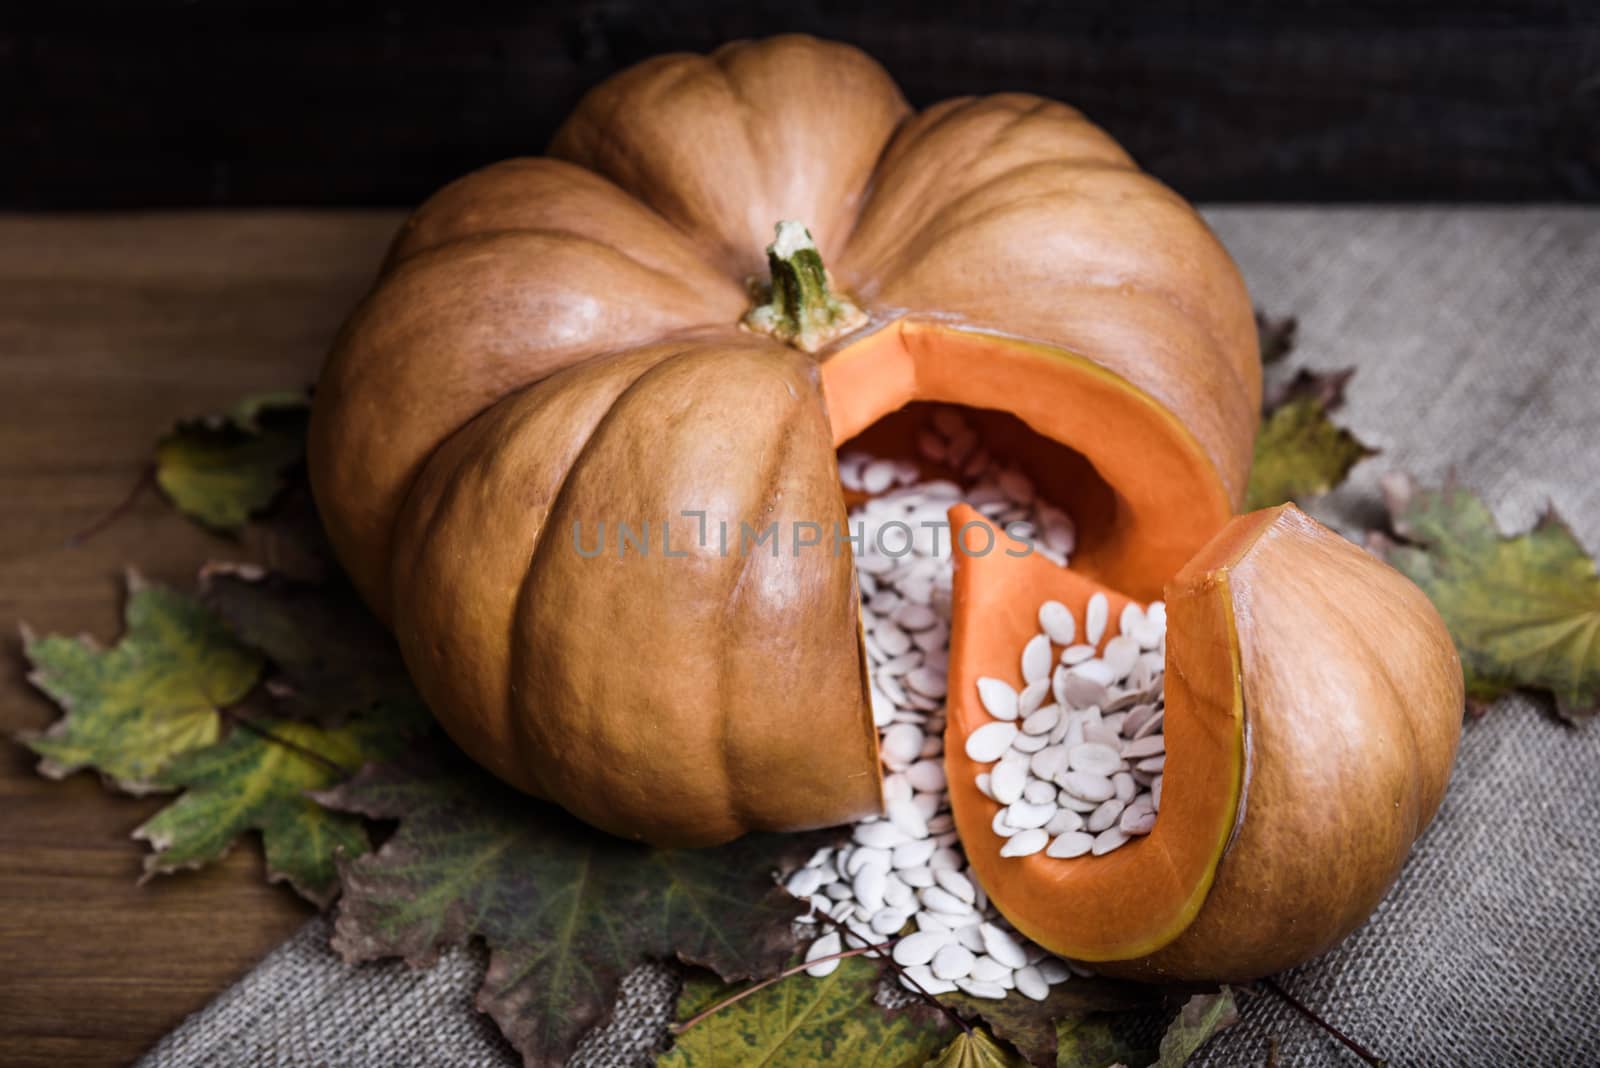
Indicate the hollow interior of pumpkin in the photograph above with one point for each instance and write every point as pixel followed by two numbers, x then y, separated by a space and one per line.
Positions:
pixel 1139 486
pixel 1144 500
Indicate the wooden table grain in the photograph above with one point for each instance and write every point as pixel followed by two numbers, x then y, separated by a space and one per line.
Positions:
pixel 111 327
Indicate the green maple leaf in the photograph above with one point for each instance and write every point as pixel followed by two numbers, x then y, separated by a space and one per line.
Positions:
pixel 1300 452
pixel 801 1022
pixel 258 779
pixel 1524 610
pixel 976 1049
pixel 1201 1017
pixel 1030 1025
pixel 332 658
pixel 222 470
pixel 565 909
pixel 134 707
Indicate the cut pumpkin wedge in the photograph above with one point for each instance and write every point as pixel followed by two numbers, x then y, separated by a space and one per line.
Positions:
pixel 1133 901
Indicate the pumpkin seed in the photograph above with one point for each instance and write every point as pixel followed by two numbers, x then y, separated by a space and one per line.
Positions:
pixel 998 699
pixel 1029 743
pixel 1094 618
pixel 1030 983
pixel 1107 840
pixel 990 741
pixel 906 866
pixel 1070 844
pixel 1094 758
pixel 1056 620
pixel 825 946
pixel 978 989
pixel 1087 786
pixel 952 961
pixel 1025 843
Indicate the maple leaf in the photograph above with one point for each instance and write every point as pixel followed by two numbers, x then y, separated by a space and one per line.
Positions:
pixel 259 778
pixel 1098 1040
pixel 332 659
pixel 800 1022
pixel 565 909
pixel 1524 610
pixel 1030 1025
pixel 976 1049
pixel 223 469
pixel 1276 335
pixel 1299 451
pixel 134 707
pixel 1201 1017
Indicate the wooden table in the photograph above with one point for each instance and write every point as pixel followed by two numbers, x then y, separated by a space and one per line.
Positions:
pixel 111 327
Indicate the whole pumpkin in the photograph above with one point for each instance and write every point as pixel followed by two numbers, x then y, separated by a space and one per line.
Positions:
pixel 562 354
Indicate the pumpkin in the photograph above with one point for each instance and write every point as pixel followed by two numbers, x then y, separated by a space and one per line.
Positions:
pixel 562 353
pixel 1313 706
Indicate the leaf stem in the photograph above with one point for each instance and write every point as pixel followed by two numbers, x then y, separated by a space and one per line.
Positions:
pixel 147 477
pixel 1367 1056
pixel 241 720
pixel 680 1028
pixel 894 966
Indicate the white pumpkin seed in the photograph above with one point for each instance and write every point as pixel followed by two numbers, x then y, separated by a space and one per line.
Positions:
pixel 952 961
pixel 919 946
pixel 1043 721
pixel 1106 815
pixel 990 741
pixel 1032 697
pixel 1070 844
pixel 1148 746
pixel 1038 792
pixel 1094 758
pixel 1056 620
pixel 1029 743
pixel 825 946
pixel 1107 840
pixel 1007 780
pixel 1030 983
pixel 1000 945
pixel 1024 843
pixel 978 989
pixel 998 697
pixel 1086 786
pixel 1121 655
pixel 1054 970
pixel 1063 821
pixel 958 884
pixel 926 775
pixel 1094 617
pixel 1076 654
pixel 1024 816
pixel 1036 659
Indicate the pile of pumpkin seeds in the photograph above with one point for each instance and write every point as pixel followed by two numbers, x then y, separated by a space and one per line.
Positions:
pixel 1076 758
pixel 905 871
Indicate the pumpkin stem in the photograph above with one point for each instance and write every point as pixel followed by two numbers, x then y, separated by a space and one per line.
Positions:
pixel 796 305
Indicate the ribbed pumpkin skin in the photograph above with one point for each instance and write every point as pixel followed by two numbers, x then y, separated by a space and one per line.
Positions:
pixel 1352 700
pixel 554 341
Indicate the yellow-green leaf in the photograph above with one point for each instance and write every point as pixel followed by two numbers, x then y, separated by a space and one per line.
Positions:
pixel 1201 1017
pixel 976 1049
pixel 222 470
pixel 801 1022
pixel 1030 1025
pixel 258 779
pixel 132 708
pixel 1524 611
pixel 1300 452
pixel 1099 1040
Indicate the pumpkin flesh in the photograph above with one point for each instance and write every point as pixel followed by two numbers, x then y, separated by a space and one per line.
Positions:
pixel 1133 901
pixel 1313 705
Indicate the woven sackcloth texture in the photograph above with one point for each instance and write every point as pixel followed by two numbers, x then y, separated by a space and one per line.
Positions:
pixel 1476 334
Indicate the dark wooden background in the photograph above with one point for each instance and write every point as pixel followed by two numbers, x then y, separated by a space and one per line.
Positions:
pixel 119 103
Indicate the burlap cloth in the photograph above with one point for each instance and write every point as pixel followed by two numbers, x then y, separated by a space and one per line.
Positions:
pixel 1477 336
